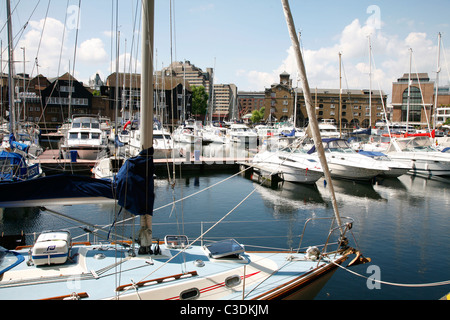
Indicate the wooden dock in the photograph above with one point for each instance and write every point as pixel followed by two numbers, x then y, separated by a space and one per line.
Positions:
pixel 51 163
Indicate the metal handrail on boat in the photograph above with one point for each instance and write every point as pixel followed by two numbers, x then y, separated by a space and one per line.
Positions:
pixel 347 225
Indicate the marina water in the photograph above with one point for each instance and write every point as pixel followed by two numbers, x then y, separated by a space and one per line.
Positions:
pixel 402 224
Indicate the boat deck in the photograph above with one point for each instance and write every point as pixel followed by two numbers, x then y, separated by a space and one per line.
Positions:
pixel 51 163
pixel 109 272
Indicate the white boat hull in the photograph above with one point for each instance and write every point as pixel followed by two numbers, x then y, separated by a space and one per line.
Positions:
pixel 345 171
pixel 288 167
pixel 261 276
pixel 83 152
pixel 433 165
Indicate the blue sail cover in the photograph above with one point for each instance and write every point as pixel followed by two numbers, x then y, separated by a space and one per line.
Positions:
pixel 290 134
pixel 132 188
pixel 61 186
pixel 134 184
pixel 13 167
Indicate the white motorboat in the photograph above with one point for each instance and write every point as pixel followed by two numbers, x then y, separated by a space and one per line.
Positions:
pixel 290 164
pixel 84 137
pixel 162 144
pixel 241 133
pixel 396 169
pixel 107 167
pixel 419 153
pixel 345 163
pixel 189 132
pixel 328 129
pixel 215 134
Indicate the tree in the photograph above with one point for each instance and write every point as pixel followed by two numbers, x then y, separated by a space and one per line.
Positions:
pixel 199 100
pixel 258 115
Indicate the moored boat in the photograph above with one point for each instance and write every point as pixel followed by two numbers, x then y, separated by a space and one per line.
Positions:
pixel 419 153
pixel 345 163
pixel 84 137
pixel 176 269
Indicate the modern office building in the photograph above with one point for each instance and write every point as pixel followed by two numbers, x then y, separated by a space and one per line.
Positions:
pixel 413 99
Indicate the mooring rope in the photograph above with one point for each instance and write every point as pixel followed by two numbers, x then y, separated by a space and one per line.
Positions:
pixel 410 285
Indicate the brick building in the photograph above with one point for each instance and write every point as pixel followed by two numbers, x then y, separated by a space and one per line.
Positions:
pixel 358 108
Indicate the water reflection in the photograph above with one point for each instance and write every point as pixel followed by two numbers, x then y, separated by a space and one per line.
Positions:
pixel 346 190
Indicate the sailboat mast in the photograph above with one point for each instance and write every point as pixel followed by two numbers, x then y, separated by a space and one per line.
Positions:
pixel 340 95
pixel 313 123
pixel 437 81
pixel 12 109
pixel 409 91
pixel 370 83
pixel 146 125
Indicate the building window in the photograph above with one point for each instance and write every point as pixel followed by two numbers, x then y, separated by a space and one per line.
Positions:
pixel 415 107
pixel 66 89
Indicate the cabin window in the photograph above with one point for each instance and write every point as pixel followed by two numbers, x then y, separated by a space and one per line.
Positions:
pixel 233 281
pixel 95 135
pixel 190 294
pixel 73 136
pixel 84 136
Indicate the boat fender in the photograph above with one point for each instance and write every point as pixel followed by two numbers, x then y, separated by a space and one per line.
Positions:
pixel 156 248
pixel 312 253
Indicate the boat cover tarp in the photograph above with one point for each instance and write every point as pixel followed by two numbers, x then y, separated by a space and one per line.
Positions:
pixel 134 184
pixel 13 167
pixel 9 259
pixel 290 134
pixel 363 131
pixel 13 158
pixel 60 186
pixel 132 188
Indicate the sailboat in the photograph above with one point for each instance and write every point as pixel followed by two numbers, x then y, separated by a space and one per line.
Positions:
pixel 15 164
pixel 177 268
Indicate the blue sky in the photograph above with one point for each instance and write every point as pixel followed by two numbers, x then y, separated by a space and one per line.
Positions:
pixel 247 40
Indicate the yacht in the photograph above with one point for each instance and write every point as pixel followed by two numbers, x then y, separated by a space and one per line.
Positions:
pixel 84 137
pixel 346 163
pixel 419 153
pixel 162 143
pixel 241 133
pixel 396 168
pixel 189 132
pixel 328 129
pixel 214 134
pixel 290 164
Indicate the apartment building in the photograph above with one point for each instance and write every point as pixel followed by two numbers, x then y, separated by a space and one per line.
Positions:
pixel 249 101
pixel 350 108
pixel 224 102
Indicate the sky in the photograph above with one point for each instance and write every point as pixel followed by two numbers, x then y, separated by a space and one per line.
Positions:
pixel 246 41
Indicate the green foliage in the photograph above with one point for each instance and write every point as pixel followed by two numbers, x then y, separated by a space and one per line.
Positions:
pixel 199 100
pixel 258 115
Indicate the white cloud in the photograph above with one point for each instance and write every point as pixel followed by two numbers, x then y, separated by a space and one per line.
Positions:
pixel 46 47
pixel 92 51
pixel 390 56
